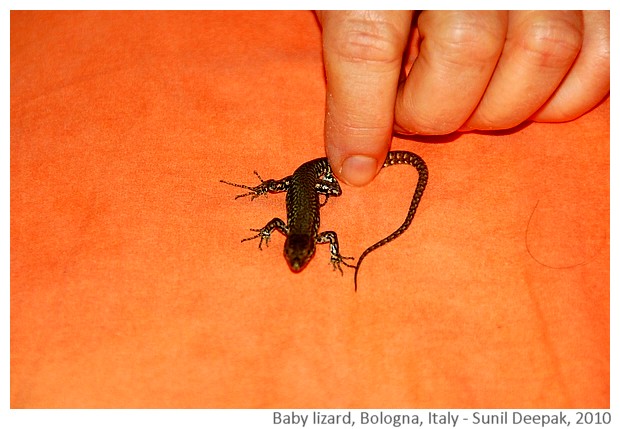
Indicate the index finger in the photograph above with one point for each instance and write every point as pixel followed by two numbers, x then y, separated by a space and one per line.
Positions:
pixel 362 52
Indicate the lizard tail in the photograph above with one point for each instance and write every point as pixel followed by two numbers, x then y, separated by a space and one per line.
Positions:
pixel 400 157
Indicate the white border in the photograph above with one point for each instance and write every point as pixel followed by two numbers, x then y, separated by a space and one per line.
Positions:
pixel 237 418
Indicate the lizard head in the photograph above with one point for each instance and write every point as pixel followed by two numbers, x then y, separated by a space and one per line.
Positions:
pixel 298 250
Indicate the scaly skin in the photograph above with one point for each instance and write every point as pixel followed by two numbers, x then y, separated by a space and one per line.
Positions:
pixel 400 157
pixel 301 230
pixel 303 188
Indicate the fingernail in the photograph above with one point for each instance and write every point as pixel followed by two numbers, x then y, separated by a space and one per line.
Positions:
pixel 358 170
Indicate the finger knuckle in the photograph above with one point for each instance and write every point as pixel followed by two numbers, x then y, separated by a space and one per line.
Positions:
pixel 470 41
pixel 426 124
pixel 602 53
pixel 370 41
pixel 551 43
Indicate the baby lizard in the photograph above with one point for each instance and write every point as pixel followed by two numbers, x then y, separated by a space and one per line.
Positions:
pixel 303 188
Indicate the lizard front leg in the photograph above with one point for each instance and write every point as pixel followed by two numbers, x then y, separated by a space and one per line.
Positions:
pixel 336 258
pixel 265 232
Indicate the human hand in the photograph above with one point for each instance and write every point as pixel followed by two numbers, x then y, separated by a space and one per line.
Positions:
pixel 469 70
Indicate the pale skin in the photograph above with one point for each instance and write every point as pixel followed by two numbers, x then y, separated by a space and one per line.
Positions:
pixel 445 71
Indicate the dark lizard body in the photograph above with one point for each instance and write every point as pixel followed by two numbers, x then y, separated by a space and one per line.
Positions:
pixel 302 189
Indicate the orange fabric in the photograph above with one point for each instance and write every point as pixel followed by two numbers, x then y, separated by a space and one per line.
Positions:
pixel 130 286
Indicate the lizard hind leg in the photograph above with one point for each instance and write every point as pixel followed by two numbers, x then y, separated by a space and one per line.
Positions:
pixel 266 186
pixel 255 191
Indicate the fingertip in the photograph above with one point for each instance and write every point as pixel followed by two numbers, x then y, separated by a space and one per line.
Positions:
pixel 358 170
pixel 354 152
pixel 362 56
